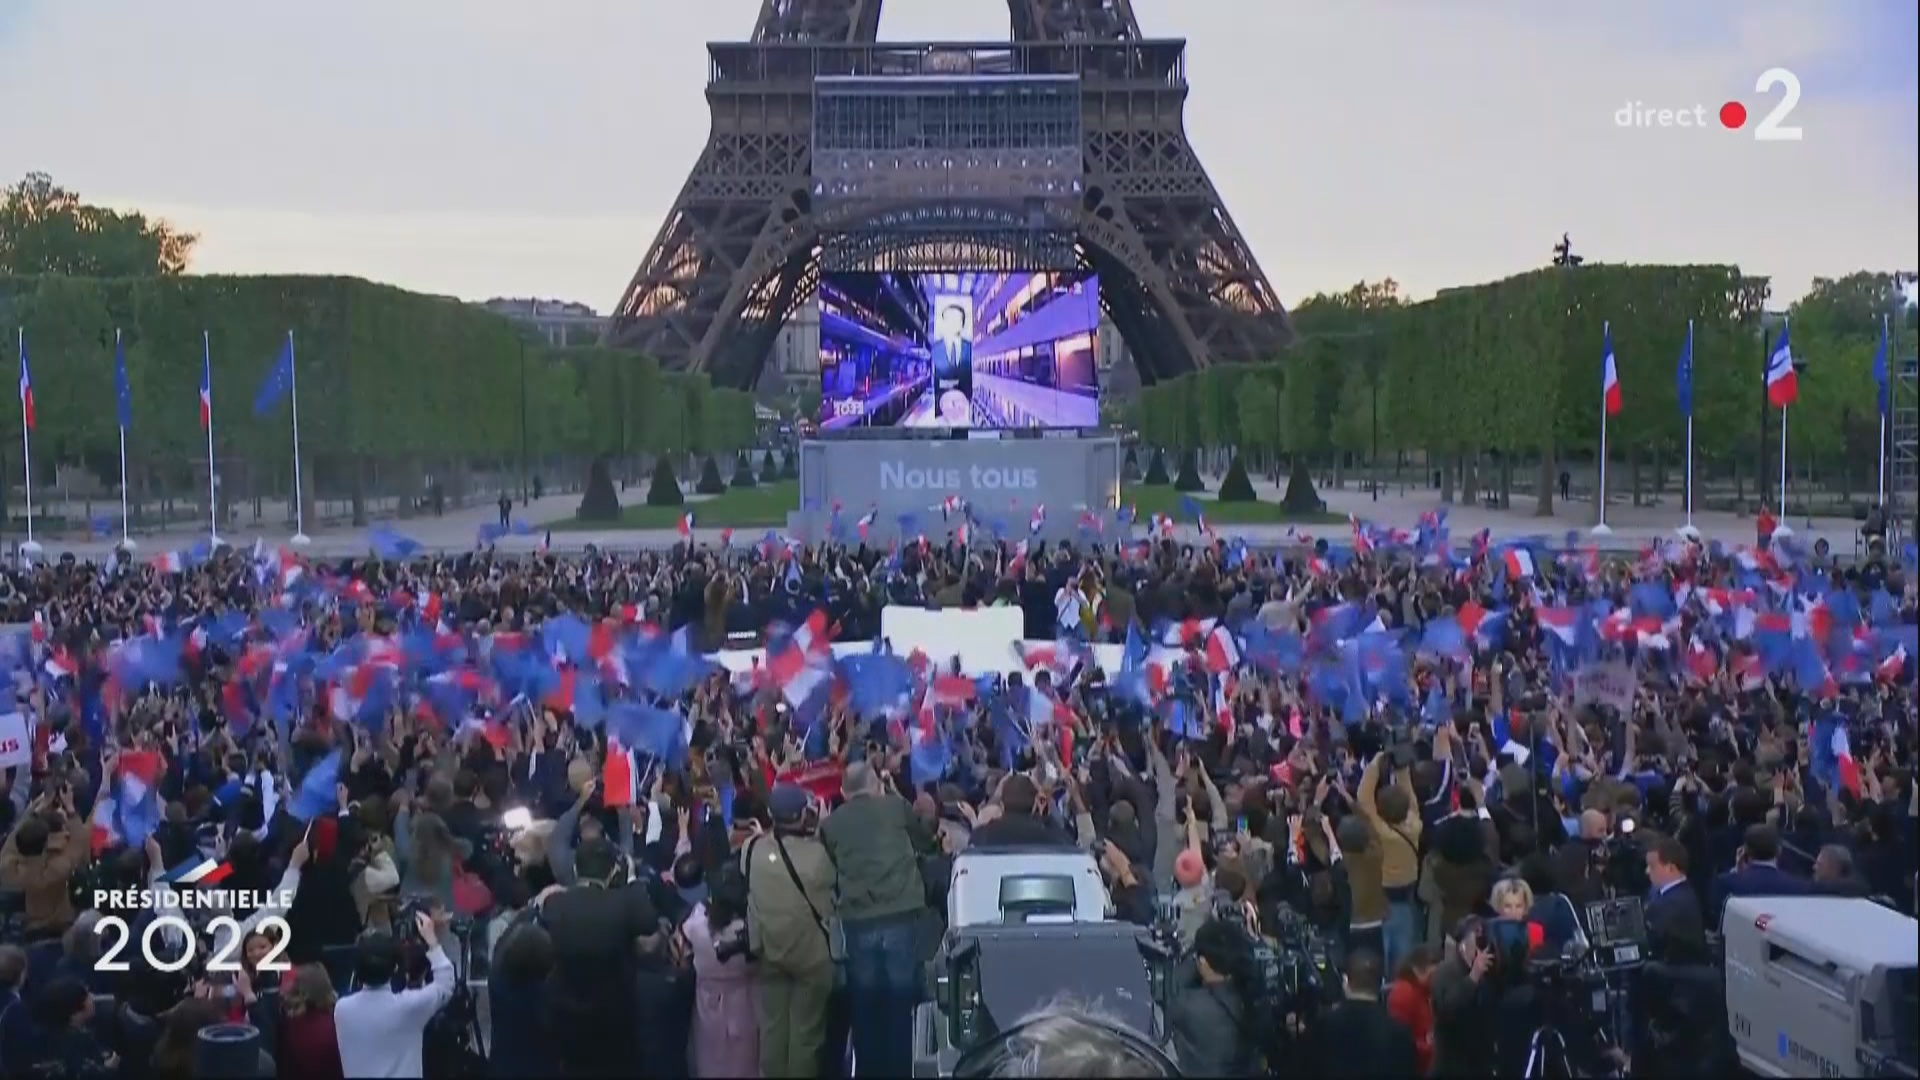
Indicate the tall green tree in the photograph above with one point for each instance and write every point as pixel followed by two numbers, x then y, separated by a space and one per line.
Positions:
pixel 46 229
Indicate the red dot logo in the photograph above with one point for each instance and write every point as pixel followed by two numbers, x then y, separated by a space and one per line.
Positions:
pixel 1732 115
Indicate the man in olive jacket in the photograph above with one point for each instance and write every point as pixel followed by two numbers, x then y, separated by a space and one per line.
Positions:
pixel 876 842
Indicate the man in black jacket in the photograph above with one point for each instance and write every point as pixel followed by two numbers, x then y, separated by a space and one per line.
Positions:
pixel 1019 821
pixel 1208 1018
pixel 1358 1037
pixel 594 927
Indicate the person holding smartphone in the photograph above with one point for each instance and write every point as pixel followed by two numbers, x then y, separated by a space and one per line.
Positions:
pixel 1464 1004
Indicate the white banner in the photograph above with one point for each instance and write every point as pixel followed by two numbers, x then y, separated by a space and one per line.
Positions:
pixel 1611 683
pixel 16 742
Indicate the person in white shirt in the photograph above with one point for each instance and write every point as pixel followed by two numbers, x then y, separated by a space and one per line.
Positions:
pixel 381 1031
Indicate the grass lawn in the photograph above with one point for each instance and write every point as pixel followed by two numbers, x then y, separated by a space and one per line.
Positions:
pixel 1164 500
pixel 763 507
pixel 767 507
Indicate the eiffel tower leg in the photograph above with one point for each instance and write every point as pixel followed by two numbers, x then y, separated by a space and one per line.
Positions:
pixel 1203 297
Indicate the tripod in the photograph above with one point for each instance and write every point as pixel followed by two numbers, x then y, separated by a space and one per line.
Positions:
pixel 1546 1040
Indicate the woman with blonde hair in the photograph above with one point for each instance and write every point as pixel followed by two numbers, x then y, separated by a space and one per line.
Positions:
pixel 309 1046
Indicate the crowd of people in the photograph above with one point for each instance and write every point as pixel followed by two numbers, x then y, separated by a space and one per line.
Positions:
pixel 422 776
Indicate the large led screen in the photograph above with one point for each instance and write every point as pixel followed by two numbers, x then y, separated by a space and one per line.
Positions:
pixel 959 350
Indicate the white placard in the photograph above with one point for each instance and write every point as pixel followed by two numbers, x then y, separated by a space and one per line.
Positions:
pixel 983 638
pixel 16 741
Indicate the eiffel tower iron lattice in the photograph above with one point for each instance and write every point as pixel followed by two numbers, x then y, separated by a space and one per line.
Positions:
pixel 830 151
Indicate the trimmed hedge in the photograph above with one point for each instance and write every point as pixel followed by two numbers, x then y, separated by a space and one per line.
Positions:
pixel 1236 486
pixel 665 488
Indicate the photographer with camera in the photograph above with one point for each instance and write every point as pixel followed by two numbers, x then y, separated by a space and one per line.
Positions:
pixel 1358 1037
pixel 1209 1017
pixel 791 904
pixel 595 925
pixel 41 857
pixel 382 1029
pixel 726 1033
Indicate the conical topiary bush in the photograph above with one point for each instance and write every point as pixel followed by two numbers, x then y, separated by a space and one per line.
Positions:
pixel 1189 478
pixel 710 482
pixel 665 488
pixel 1157 471
pixel 1236 486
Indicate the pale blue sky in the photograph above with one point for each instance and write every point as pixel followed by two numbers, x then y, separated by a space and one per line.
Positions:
pixel 498 147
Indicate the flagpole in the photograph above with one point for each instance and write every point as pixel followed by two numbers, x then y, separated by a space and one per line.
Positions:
pixel 213 500
pixel 1883 398
pixel 126 519
pixel 300 537
pixel 26 445
pixel 1689 423
pixel 1783 463
pixel 1600 498
pixel 1786 328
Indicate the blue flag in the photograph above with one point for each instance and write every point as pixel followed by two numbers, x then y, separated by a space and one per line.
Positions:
pixel 1880 370
pixel 317 792
pixel 279 381
pixel 1684 375
pixel 122 390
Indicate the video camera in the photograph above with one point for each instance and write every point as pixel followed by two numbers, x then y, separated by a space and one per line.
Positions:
pixel 1619 862
pixel 1286 972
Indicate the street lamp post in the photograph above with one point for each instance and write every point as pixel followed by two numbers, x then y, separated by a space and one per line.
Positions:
pixel 1565 259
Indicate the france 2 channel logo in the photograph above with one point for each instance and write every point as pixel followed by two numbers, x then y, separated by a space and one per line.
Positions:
pixel 170 943
pixel 1732 115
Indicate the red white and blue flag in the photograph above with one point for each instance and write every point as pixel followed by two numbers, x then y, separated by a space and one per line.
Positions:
pixel 1610 377
pixel 26 387
pixel 1783 386
pixel 206 385
pixel 198 872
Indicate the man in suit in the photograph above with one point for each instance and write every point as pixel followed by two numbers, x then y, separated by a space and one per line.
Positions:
pixel 1358 1037
pixel 953 366
pixel 1675 932
pixel 1756 872
pixel 1833 873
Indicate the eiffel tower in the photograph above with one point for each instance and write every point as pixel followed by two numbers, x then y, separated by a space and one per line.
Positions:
pixel 1063 148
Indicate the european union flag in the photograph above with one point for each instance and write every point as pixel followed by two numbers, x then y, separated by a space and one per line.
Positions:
pixel 122 390
pixel 1684 376
pixel 1880 370
pixel 279 382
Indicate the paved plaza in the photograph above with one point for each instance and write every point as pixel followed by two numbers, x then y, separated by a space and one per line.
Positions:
pixel 457 530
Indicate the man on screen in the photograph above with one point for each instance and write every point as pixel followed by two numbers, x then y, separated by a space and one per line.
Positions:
pixel 953 367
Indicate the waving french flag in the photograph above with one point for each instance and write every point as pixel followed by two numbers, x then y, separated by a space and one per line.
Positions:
pixel 26 385
pixel 1610 377
pixel 206 383
pixel 686 525
pixel 1783 386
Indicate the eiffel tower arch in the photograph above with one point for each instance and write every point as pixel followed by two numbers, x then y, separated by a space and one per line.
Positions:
pixel 1063 148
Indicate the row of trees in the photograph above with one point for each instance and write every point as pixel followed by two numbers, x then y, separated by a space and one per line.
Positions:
pixel 392 385
pixel 1510 372
pixel 400 393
